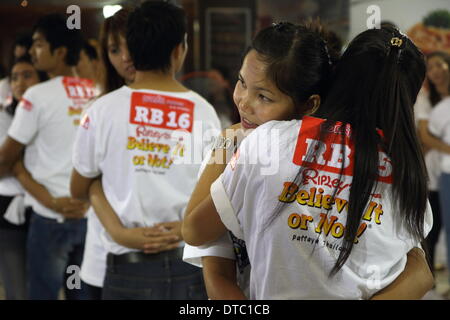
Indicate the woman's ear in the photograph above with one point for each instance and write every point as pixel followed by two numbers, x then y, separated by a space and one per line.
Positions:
pixel 312 105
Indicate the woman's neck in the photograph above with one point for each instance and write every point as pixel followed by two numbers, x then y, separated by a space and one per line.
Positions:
pixel 157 81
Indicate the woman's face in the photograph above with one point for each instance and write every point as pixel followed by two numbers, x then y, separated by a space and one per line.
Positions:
pixel 438 71
pixel 257 98
pixel 120 58
pixel 23 76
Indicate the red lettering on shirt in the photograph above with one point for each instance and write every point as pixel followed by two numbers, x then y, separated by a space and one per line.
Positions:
pixel 78 88
pixel 160 111
pixel 335 152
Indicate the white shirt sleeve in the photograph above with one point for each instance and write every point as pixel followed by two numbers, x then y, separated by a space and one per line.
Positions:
pixel 85 157
pixel 439 118
pixel 222 247
pixel 25 124
pixel 422 108
pixel 222 201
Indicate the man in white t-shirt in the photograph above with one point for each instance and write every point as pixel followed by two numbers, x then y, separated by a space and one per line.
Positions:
pixel 146 142
pixel 46 122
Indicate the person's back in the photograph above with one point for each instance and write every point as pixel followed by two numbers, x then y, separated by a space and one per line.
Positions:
pixel 299 247
pixel 52 112
pixel 147 141
pixel 156 139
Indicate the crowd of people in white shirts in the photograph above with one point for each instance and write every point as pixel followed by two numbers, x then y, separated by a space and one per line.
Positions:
pixel 129 175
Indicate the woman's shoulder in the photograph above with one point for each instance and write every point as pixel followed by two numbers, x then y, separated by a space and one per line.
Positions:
pixel 109 100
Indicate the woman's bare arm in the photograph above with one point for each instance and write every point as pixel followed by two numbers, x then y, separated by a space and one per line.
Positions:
pixel 220 279
pixel 413 283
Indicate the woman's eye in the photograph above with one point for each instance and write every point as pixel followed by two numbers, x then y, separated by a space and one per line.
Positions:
pixel 264 98
pixel 114 51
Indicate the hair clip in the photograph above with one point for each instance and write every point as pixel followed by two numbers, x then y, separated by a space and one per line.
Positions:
pixel 396 42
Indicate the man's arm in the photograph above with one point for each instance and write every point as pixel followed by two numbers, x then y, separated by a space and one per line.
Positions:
pixel 10 151
pixel 67 206
pixel 80 185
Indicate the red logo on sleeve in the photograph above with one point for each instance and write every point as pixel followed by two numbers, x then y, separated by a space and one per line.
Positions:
pixel 85 122
pixel 27 105
pixel 160 111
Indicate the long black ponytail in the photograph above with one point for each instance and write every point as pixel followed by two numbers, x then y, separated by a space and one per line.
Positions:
pixel 375 86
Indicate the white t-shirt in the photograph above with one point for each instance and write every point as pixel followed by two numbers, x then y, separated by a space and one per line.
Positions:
pixel 422 110
pixel 292 253
pixel 9 186
pixel 93 267
pixel 46 121
pixel 148 146
pixel 439 125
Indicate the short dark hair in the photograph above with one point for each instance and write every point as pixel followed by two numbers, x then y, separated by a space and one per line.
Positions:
pixel 24 39
pixel 154 30
pixel 299 60
pixel 90 50
pixel 55 31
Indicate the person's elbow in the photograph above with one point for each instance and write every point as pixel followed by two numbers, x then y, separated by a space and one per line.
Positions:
pixel 5 165
pixel 9 154
pixel 191 234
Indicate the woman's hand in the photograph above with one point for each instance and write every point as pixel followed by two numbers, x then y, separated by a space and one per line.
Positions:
pixel 146 239
pixel 69 207
pixel 227 143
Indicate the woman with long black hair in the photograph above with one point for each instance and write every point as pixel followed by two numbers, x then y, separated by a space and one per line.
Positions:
pixel 347 197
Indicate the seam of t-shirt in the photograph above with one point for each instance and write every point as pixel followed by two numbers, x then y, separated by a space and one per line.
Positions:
pixel 224 208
